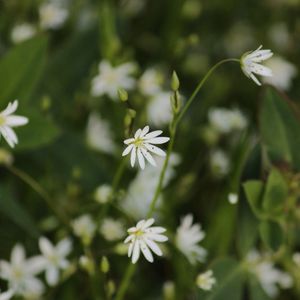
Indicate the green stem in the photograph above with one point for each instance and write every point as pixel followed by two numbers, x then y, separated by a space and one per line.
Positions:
pixel 125 281
pixel 39 190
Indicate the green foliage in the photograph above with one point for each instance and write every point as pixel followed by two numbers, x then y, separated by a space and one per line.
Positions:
pixel 271 234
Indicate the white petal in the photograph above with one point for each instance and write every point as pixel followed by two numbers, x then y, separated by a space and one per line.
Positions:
pixel 52 276
pixel 138 133
pixel 153 134
pixel 153 246
pixel 156 229
pixel 7 295
pixel 155 150
pixel 148 223
pixel 15 121
pixel 156 237
pixel 128 239
pixel 254 79
pixel 133 156
pixel 64 247
pixel 149 157
pixel 158 140
pixel 35 264
pixel 5 269
pixel 18 255
pixel 148 255
pixel 140 224
pixel 9 136
pixel 46 246
pixel 130 249
pixel 141 159
pixel 127 149
pixel 128 141
pixel 136 252
pixel 144 131
pixel 11 108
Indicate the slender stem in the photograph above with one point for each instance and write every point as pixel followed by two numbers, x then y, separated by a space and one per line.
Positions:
pixel 126 281
pixel 39 190
pixel 118 175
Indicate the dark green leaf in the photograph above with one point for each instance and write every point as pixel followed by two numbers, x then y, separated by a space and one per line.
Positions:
pixel 272 234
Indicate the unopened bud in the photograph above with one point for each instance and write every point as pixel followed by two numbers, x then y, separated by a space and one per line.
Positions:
pixel 175 102
pixel 6 157
pixel 123 95
pixel 175 82
pixel 104 265
pixel 169 290
pixel 111 288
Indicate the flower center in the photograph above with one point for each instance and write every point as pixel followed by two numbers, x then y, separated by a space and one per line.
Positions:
pixel 138 142
pixel 2 120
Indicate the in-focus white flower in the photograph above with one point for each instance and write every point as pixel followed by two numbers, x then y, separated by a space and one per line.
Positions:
pixel 143 238
pixel 6 295
pixel 187 238
pixel 283 73
pixel 55 258
pixel 269 277
pixel 20 273
pixel 142 143
pixel 206 281
pixel 8 121
pixel 110 79
pixel 52 15
pixel 22 32
pixel 159 110
pixel 103 193
pixel 233 198
pixel 85 228
pixel 219 163
pixel 112 230
pixel 99 135
pixel 150 82
pixel 250 64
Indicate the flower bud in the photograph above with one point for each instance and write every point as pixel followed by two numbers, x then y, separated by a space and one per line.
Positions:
pixel 104 266
pixel 123 95
pixel 175 82
pixel 175 102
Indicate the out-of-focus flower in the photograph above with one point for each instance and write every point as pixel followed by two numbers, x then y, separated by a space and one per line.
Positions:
pixel 142 143
pixel 169 290
pixel 55 258
pixel 132 7
pixel 250 64
pixel 20 273
pixel 296 258
pixel 270 278
pixel 22 32
pixel 143 238
pixel 279 36
pixel 110 79
pixel 6 295
pixel 85 228
pixel 112 230
pixel 206 281
pixel 150 82
pixel 6 158
pixel 187 238
pixel 52 15
pixel 8 121
pixel 283 73
pixel 219 163
pixel 99 135
pixel 87 264
pixel 233 198
pixel 159 109
pixel 103 193
pixel 226 120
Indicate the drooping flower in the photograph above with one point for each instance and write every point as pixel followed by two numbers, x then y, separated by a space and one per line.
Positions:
pixel 206 280
pixel 84 227
pixel 54 258
pixel 142 143
pixel 143 238
pixel 187 238
pixel 22 32
pixel 111 229
pixel 110 79
pixel 250 63
pixel 8 121
pixel 20 273
pixel 6 295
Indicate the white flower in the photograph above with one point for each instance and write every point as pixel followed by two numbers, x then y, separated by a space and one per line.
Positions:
pixel 250 64
pixel 206 281
pixel 187 238
pixel 52 15
pixel 103 193
pixel 84 227
pixel 20 273
pixel 233 198
pixel 159 109
pixel 142 143
pixel 268 275
pixel 296 258
pixel 110 79
pixel 143 238
pixel 283 73
pixel 8 120
pixel 150 82
pixel 111 229
pixel 54 258
pixel 99 136
pixel 6 295
pixel 219 163
pixel 22 33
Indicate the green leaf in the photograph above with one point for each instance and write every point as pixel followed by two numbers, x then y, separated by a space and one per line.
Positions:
pixel 254 190
pixel 20 70
pixel 255 290
pixel 230 280
pixel 271 234
pixel 280 128
pixel 275 194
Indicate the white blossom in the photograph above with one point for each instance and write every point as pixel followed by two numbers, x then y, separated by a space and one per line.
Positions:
pixel 150 82
pixel 110 79
pixel 103 193
pixel 250 64
pixel 55 258
pixel 20 273
pixel 233 198
pixel 283 73
pixel 52 15
pixel 143 238
pixel 99 135
pixel 22 32
pixel 8 121
pixel 85 228
pixel 219 163
pixel 206 281
pixel 141 145
pixel 112 230
pixel 6 295
pixel 187 240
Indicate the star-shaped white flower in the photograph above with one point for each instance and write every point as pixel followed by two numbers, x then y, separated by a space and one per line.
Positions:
pixel 8 120
pixel 143 238
pixel 250 63
pixel 142 143
pixel 55 258
pixel 206 280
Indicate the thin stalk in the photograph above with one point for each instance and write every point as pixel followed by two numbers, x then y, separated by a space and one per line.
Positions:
pixel 125 282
